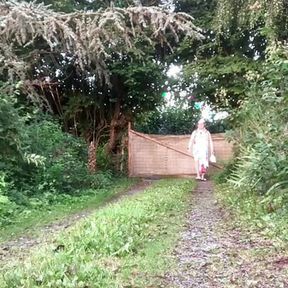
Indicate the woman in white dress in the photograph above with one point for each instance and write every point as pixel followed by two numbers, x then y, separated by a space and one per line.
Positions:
pixel 199 144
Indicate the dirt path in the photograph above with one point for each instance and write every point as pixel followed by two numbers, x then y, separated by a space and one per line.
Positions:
pixel 22 245
pixel 211 253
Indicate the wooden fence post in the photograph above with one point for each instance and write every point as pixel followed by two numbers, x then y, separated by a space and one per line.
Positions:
pixel 129 149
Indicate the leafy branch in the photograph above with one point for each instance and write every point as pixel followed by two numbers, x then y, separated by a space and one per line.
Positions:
pixel 88 38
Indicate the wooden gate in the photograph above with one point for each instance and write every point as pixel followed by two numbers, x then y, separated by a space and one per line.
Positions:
pixel 158 155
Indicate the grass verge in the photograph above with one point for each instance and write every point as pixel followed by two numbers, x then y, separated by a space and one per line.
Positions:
pixel 122 245
pixel 30 220
pixel 266 213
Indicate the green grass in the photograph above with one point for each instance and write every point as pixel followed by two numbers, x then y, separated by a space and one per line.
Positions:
pixel 147 268
pixel 30 221
pixel 124 244
pixel 267 214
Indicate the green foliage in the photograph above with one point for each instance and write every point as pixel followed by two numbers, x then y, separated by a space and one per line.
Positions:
pixel 118 232
pixel 140 84
pixel 64 169
pixel 96 85
pixel 16 220
pixel 2 186
pixel 215 68
pixel 271 16
pixel 175 120
pixel 202 10
pixel 104 160
pixel 262 128
pixel 221 79
pixel 7 208
pixel 266 213
pixel 172 120
pixel 218 126
pixel 257 180
pixel 38 161
pixel 221 177
pixel 69 6
pixel 52 161
pixel 11 125
pixel 101 179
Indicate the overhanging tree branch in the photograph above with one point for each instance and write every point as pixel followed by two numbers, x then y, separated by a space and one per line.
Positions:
pixel 88 37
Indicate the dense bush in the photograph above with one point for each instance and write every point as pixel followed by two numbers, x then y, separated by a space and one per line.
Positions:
pixel 51 161
pixel 104 160
pixel 38 159
pixel 262 129
pixel 64 169
pixel 6 207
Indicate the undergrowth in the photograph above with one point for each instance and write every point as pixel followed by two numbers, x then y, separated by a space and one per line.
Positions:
pixel 267 213
pixel 53 207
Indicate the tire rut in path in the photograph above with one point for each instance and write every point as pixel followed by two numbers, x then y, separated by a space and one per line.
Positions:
pixel 20 247
pixel 213 253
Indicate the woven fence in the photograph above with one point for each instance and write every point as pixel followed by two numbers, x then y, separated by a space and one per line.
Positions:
pixel 157 155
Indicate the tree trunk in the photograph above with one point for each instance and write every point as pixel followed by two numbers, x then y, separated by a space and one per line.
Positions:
pixel 92 163
pixel 119 91
pixel 112 136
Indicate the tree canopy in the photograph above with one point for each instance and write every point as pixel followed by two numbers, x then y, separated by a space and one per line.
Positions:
pixel 95 68
pixel 89 38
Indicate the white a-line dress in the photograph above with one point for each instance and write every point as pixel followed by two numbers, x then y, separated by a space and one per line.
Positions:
pixel 200 151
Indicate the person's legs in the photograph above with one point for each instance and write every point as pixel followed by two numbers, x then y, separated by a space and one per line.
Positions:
pixel 203 177
pixel 206 164
pixel 197 168
pixel 202 169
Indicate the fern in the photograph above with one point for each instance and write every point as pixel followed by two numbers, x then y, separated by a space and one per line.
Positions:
pixel 35 159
